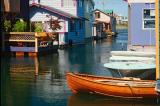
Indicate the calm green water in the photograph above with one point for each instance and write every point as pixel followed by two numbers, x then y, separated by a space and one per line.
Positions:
pixel 41 81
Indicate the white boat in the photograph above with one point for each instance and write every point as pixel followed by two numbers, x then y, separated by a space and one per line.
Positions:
pixel 131 58
pixel 133 53
pixel 157 87
pixel 130 66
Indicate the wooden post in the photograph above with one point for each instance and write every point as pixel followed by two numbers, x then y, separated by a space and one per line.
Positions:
pixel 36 44
pixel 157 38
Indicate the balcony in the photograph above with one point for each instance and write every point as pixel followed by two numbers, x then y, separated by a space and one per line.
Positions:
pixel 11 6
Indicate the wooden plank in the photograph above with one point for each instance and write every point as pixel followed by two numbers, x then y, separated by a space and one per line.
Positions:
pixel 36 45
pixel 20 33
pixel 19 53
pixel 20 40
pixel 157 39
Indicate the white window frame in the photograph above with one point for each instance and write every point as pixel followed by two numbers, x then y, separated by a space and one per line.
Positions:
pixel 68 3
pixel 87 7
pixel 80 3
pixel 146 19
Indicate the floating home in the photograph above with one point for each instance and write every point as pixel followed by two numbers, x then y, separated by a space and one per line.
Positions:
pixel 104 23
pixel 141 25
pixel 88 8
pixel 11 12
pixel 72 13
pixel 71 26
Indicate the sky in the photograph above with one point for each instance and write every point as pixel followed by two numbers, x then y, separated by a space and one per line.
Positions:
pixel 119 7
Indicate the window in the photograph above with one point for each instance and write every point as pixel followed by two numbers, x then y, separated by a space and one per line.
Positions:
pixel 80 3
pixel 68 3
pixel 72 25
pixel 149 18
pixel 97 14
pixel 87 7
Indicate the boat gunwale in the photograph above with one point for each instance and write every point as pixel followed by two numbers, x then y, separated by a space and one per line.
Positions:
pixel 131 69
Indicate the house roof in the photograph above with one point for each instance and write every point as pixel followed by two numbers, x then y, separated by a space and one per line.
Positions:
pixel 101 11
pixel 54 10
pixel 140 1
pixel 107 11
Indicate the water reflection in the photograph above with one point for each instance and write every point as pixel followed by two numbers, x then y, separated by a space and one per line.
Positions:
pixel 95 100
pixel 40 81
pixel 17 75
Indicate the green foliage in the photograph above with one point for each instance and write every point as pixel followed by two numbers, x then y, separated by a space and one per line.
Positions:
pixel 20 26
pixel 38 27
pixel 7 25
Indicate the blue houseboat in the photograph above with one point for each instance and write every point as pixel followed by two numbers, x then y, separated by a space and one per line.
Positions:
pixel 74 19
pixel 141 25
pixel 72 27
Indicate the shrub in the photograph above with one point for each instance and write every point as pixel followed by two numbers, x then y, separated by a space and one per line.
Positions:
pixel 7 25
pixel 20 26
pixel 38 27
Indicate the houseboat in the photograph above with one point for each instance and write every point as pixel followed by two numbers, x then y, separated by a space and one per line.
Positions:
pixel 104 24
pixel 71 13
pixel 141 25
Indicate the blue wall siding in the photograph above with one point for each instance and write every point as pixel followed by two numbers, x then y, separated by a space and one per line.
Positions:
pixel 140 36
pixel 77 36
pixel 80 10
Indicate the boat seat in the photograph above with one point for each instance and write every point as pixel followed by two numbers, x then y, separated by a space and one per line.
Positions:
pixel 131 78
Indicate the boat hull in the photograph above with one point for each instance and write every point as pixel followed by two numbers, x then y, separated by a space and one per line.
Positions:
pixel 133 53
pixel 90 84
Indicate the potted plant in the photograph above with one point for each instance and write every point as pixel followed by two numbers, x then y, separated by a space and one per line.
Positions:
pixel 20 26
pixel 7 25
pixel 38 30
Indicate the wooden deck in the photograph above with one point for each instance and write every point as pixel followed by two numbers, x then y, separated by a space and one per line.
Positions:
pixel 26 44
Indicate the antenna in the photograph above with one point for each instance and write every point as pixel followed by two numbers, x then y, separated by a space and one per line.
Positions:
pixel 103 4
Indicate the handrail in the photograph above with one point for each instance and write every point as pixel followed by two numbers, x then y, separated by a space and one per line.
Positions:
pixel 20 33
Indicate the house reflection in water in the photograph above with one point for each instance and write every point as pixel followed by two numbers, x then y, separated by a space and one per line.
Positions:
pixel 38 78
pixel 22 66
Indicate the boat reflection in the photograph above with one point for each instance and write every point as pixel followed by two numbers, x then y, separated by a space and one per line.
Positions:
pixel 97 100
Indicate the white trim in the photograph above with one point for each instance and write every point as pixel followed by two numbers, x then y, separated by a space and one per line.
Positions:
pixel 141 1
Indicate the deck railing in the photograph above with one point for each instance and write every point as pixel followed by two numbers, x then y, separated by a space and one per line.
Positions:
pixel 22 37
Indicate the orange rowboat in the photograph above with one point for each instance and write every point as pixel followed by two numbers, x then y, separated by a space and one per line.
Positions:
pixel 116 87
